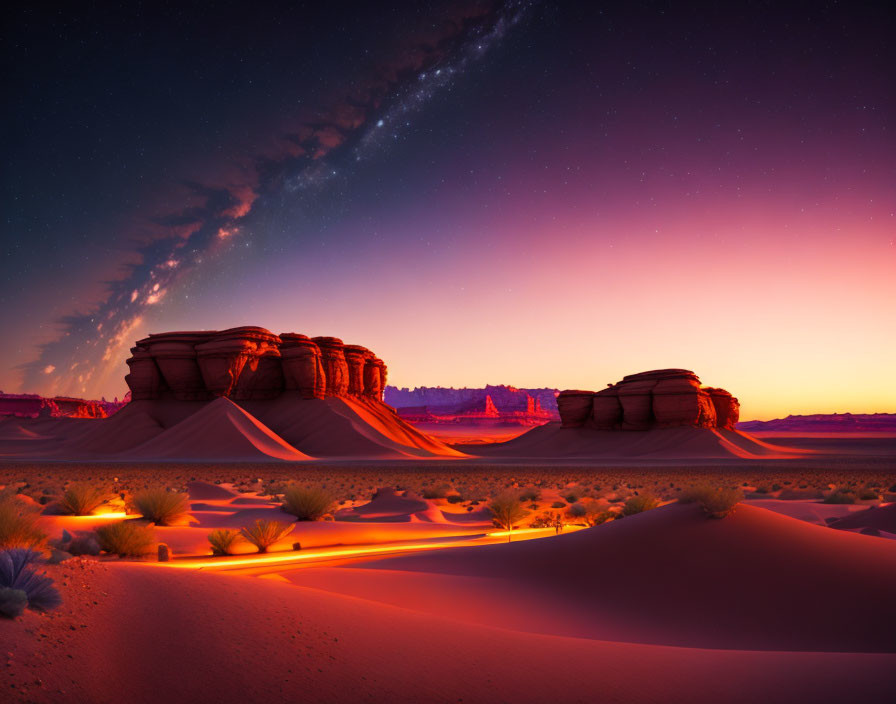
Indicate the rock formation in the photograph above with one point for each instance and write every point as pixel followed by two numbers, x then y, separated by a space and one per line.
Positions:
pixel 664 398
pixel 250 363
pixel 303 370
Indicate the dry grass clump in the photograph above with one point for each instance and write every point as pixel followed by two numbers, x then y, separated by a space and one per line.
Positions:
pixel 126 538
pixel 20 524
pixel 262 534
pixel 82 498
pixel 839 496
pixel 439 491
pixel 308 503
pixel 222 541
pixel 161 506
pixel 21 587
pixel 639 503
pixel 717 502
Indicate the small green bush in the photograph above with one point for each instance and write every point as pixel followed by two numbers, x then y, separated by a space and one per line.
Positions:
pixel 161 506
pixel 455 498
pixel 308 503
pixel 126 538
pixel 222 541
pixel 82 498
pixel 20 524
pixel 558 504
pixel 262 534
pixel 639 503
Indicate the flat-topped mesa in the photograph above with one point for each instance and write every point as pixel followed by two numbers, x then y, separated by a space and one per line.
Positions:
pixel 250 363
pixel 663 398
pixel 231 359
pixel 177 360
pixel 356 359
pixel 374 377
pixel 574 407
pixel 332 352
pixel 303 369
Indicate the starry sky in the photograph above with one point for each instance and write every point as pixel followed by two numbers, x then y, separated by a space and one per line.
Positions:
pixel 530 193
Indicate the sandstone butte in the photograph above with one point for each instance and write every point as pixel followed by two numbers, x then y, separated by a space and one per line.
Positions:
pixel 250 363
pixel 663 398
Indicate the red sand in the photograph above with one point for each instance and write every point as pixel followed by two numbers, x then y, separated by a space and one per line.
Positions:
pixel 140 633
pixel 220 430
pixel 755 580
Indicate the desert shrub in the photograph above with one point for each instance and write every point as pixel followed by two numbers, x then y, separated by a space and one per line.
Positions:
pixel 558 504
pixel 530 494
pixel 436 492
pixel 639 503
pixel 868 494
pixel 455 498
pixel 594 513
pixel 126 538
pixel 82 498
pixel 576 510
pixel 717 502
pixel 20 524
pixel 573 495
pixel 839 497
pixel 543 520
pixel 307 503
pixel 85 544
pixel 262 534
pixel 16 575
pixel 506 510
pixel 161 506
pixel 222 541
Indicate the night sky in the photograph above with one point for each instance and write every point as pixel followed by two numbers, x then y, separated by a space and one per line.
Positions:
pixel 531 193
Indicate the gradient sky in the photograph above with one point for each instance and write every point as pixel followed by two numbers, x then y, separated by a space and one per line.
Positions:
pixel 529 193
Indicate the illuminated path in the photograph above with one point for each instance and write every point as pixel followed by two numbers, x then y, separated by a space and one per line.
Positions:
pixel 258 564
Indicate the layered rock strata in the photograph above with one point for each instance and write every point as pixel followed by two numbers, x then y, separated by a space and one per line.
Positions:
pixel 251 363
pixel 664 398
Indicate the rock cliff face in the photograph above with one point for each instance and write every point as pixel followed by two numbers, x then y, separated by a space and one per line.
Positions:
pixel 251 363
pixel 664 398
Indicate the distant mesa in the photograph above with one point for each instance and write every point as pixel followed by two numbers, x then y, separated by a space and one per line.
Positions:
pixel 663 398
pixel 826 423
pixel 491 405
pixel 34 406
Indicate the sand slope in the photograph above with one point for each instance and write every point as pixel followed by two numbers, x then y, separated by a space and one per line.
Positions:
pixel 177 636
pixel 220 430
pixel 286 428
pixel 755 580
pixel 551 440
pixel 340 427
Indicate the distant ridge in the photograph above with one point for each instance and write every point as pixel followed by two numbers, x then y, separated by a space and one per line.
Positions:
pixel 826 423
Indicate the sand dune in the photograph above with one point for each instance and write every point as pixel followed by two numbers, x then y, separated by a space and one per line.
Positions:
pixel 181 636
pixel 756 580
pixel 551 440
pixel 339 427
pixel 220 430
pixel 875 518
pixel 286 428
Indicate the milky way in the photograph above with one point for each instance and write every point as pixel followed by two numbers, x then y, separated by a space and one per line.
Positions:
pixel 90 344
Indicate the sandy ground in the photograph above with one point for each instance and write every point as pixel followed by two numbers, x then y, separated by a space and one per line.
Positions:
pixel 662 606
